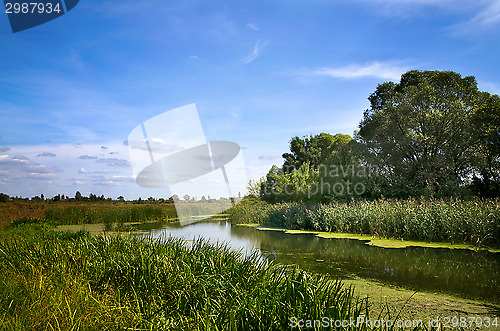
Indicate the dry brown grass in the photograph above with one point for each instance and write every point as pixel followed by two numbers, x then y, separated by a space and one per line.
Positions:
pixel 15 210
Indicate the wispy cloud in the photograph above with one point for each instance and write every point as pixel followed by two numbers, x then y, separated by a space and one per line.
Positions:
pixel 484 13
pixel 19 167
pixel 87 157
pixel 46 154
pixel 256 52
pixel 383 70
pixel 395 7
pixel 410 2
pixel 4 149
pixel 487 17
pixel 253 26
pixel 112 162
pixel 156 145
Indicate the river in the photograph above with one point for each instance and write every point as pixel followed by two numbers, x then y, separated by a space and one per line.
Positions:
pixel 458 272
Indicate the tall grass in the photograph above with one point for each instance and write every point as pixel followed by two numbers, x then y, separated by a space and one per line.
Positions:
pixel 67 281
pixel 107 213
pixel 452 221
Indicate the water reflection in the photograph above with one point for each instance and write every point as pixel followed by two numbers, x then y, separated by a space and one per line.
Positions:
pixel 215 231
pixel 460 272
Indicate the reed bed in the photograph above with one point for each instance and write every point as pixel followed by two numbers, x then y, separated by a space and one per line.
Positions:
pixel 108 213
pixel 452 221
pixel 63 281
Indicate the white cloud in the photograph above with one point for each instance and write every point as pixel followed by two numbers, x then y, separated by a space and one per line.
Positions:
pixel 253 26
pixel 17 160
pixel 256 52
pixel 22 176
pixel 383 70
pixel 19 168
pixel 156 145
pixel 36 175
pixel 83 171
pixel 4 149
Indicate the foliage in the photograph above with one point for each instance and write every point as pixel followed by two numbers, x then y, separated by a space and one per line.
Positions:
pixel 486 180
pixel 253 187
pixel 326 183
pixel 249 211
pixel 4 197
pixel 321 149
pixel 297 185
pixel 421 133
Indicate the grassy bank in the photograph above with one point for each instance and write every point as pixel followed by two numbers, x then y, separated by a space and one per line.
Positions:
pixel 458 222
pixel 62 281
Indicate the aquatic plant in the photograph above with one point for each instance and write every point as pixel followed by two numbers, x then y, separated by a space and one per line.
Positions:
pixel 475 222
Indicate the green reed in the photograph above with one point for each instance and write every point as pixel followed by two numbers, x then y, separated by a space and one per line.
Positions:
pixel 66 281
pixel 453 221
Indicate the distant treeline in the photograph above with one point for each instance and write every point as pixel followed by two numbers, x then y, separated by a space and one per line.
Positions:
pixel 95 198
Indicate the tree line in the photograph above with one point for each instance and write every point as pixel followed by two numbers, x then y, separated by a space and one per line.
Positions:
pixel 433 134
pixel 96 198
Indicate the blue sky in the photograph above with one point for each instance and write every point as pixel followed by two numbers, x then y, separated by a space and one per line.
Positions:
pixel 258 71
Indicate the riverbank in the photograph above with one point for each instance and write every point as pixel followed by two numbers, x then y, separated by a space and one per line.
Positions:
pixel 384 295
pixel 425 306
pixel 456 222
pixel 375 241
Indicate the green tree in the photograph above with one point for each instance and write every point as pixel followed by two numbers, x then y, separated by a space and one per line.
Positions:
pixel 486 178
pixel 4 197
pixel 419 132
pixel 300 184
pixel 319 150
pixel 253 187
pixel 78 196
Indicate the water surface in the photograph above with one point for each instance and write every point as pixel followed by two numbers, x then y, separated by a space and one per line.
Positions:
pixel 463 273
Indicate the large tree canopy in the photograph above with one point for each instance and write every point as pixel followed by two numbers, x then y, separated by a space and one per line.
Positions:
pixel 432 134
pixel 425 132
